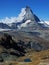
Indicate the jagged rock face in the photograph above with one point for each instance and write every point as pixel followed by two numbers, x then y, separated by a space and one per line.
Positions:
pixel 36 18
pixel 10 48
pixel 8 43
pixel 4 26
pixel 29 14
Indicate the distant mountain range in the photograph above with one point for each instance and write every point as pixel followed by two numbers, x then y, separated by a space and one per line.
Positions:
pixel 26 19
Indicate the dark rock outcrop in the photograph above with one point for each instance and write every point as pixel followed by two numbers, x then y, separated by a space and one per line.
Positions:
pixel 11 47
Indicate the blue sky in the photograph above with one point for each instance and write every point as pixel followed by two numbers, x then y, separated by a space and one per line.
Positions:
pixel 11 8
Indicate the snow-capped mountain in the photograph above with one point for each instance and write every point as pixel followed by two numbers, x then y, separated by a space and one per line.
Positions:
pixel 28 19
pixel 25 20
pixel 44 24
pixel 4 26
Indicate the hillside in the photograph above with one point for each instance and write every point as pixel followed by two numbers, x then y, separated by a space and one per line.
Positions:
pixel 15 50
pixel 25 41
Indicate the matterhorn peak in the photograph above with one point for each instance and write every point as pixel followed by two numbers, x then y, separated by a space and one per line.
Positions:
pixel 28 9
pixel 25 14
pixel 26 17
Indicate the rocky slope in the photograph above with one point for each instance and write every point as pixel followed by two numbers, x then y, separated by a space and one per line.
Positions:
pixel 9 49
pixel 30 35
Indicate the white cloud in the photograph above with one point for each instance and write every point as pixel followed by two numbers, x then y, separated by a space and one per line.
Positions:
pixel 14 19
pixel 8 20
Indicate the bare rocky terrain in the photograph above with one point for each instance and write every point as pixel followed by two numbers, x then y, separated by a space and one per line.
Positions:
pixel 24 42
pixel 15 49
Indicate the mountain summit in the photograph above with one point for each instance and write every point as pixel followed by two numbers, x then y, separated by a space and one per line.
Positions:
pixel 30 15
pixel 26 19
pixel 27 14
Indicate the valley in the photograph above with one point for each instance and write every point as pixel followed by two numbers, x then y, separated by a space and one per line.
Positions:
pixel 25 41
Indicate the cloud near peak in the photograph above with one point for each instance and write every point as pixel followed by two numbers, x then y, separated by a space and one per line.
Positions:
pixel 8 20
pixel 14 19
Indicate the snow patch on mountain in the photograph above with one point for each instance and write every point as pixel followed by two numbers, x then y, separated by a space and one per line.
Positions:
pixel 26 23
pixel 21 15
pixel 47 22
